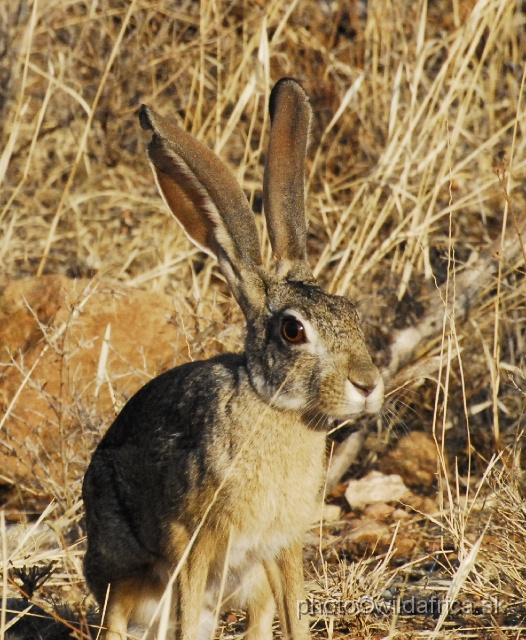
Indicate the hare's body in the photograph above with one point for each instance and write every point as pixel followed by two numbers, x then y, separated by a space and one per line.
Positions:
pixel 212 473
pixel 241 449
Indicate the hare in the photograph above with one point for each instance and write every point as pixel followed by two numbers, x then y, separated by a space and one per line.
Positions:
pixel 216 468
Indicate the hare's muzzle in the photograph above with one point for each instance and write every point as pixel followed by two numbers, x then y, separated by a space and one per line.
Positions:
pixel 365 390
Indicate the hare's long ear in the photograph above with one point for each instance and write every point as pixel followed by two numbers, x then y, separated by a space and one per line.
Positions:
pixel 284 183
pixel 207 201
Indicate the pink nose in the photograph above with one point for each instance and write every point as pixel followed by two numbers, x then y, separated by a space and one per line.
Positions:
pixel 365 391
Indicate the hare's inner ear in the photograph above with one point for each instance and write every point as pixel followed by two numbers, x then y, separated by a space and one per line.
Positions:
pixel 207 201
pixel 284 183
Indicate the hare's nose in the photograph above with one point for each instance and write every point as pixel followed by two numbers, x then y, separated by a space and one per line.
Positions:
pixel 364 391
pixel 367 382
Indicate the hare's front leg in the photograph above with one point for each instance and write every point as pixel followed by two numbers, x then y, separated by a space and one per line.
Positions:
pixel 285 575
pixel 261 606
pixel 190 589
pixel 123 597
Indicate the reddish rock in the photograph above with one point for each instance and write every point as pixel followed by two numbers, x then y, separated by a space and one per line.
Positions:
pixel 380 511
pixel 422 504
pixel 55 327
pixel 414 458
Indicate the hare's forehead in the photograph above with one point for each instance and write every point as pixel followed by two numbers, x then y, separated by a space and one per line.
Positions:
pixel 331 318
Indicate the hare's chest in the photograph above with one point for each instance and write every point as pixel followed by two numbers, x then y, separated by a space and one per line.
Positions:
pixel 249 547
pixel 275 492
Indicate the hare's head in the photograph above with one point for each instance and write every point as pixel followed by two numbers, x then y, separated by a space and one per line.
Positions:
pixel 305 348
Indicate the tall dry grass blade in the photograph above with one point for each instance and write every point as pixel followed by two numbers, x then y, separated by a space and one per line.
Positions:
pixel 8 149
pixel 18 617
pixel 103 359
pixel 31 530
pixel 82 144
pixel 349 95
pixel 395 101
pixel 29 159
pixel 222 586
pixel 56 82
pixel 20 388
pixel 167 595
pixel 465 567
pixel 22 104
pixel 263 68
pixel 495 377
pixel 164 620
pixel 245 96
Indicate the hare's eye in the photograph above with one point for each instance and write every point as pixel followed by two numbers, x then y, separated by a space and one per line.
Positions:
pixel 292 330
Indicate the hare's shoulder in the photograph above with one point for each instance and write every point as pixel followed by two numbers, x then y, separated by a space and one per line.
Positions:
pixel 180 402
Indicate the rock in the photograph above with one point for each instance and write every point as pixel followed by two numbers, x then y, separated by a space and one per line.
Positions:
pixel 400 514
pixel 366 537
pixel 88 346
pixel 379 511
pixel 375 487
pixel 373 537
pixel 329 513
pixel 414 459
pixel 338 491
pixel 422 504
pixel 404 547
pixel 369 533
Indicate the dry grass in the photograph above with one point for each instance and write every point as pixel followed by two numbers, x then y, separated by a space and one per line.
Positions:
pixel 416 169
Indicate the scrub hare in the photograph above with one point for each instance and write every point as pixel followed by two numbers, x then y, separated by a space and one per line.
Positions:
pixel 232 447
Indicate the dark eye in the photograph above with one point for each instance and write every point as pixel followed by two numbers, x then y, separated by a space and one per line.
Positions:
pixel 292 330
